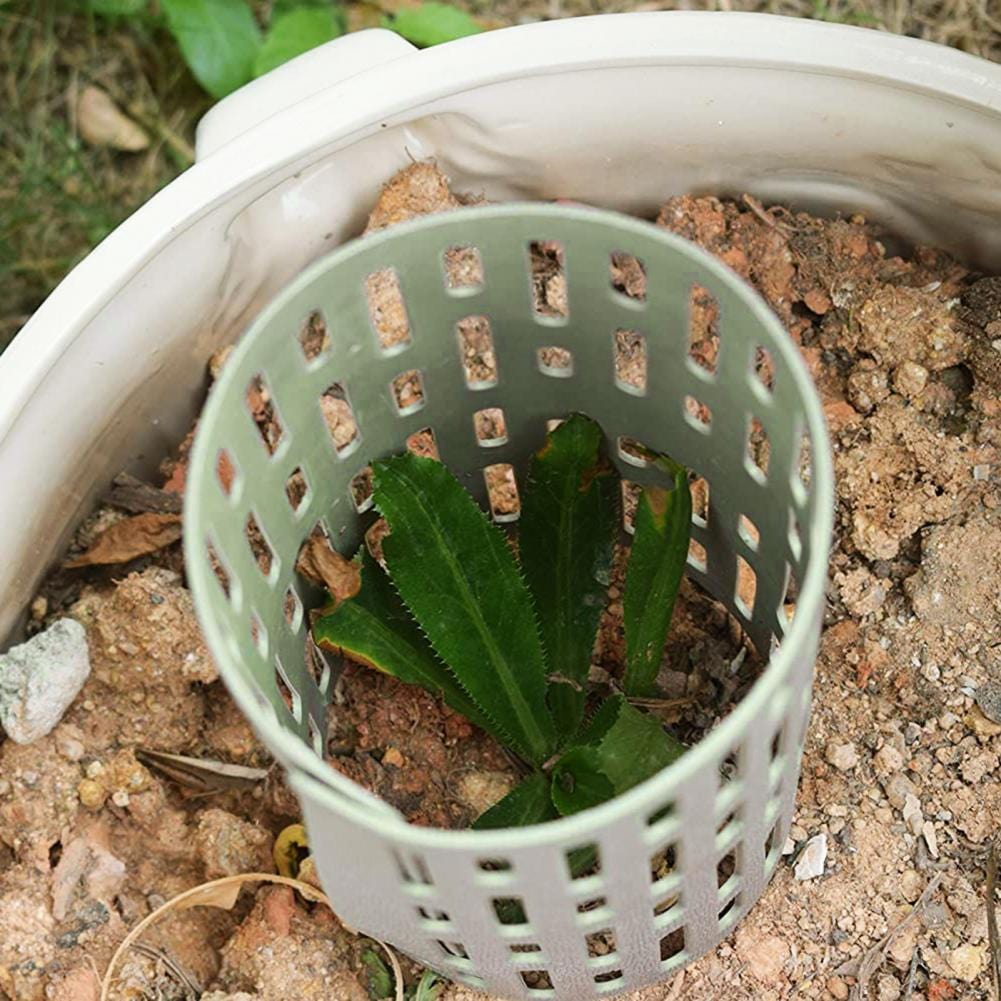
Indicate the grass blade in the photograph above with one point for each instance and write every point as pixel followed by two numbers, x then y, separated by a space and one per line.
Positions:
pixel 661 531
pixel 374 628
pixel 456 574
pixel 566 534
pixel 528 802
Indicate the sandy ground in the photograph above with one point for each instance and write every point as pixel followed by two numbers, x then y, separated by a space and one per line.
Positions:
pixel 900 770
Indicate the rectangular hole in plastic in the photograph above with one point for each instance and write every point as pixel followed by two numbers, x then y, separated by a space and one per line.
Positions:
pixel 538 981
pixel 476 347
pixel 747 587
pixel 697 415
pixel 494 865
pixel 672 944
pixel 666 903
pixel 226 471
pixel 289 694
pixel 297 489
pixel 260 548
pixel 387 310
pixel 555 361
pixel 313 336
pixel 339 419
pixel 317 737
pixel 221 574
pixel 632 451
pixel 318 667
pixel 463 268
pixel 697 555
pixel 791 595
pixel 264 412
pixel 424 442
pixel 628 276
pixel 729 909
pixel 703 330
pixel 292 608
pixel 502 491
pixel 549 279
pixel 600 943
pixel 758 450
pixel 630 501
pixel 490 427
pixel 795 537
pixel 662 864
pixel 413 870
pixel 408 392
pixel 700 501
pixel 803 467
pixel 748 532
pixel 661 813
pixel 772 846
pixel 763 369
pixel 609 978
pixel 509 910
pixel 726 867
pixel 361 490
pixel 258 634
pixel 583 861
pixel 630 361
pixel 453 949
pixel 594 904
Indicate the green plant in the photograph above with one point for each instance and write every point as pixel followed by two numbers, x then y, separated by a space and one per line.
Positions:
pixel 225 46
pixel 507 641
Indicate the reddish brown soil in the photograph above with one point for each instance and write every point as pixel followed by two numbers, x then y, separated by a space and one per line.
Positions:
pixel 900 770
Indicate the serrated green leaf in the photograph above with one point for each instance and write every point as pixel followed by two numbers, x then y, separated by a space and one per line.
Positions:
pixel 456 574
pixel 620 748
pixel 219 40
pixel 565 534
pixel 374 628
pixel 579 781
pixel 528 802
pixel 432 24
pixel 293 33
pixel 661 531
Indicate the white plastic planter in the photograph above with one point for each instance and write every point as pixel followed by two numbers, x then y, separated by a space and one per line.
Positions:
pixel 620 111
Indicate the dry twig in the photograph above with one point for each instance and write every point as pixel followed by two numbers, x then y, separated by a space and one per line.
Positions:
pixel 873 959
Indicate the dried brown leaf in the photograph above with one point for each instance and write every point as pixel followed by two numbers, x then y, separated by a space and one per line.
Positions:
pixel 203 774
pixel 322 564
pixel 132 537
pixel 102 123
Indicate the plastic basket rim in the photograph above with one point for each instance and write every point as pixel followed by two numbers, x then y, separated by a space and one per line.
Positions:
pixel 306 768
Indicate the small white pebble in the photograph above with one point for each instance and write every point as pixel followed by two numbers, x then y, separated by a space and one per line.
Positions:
pixel 982 471
pixel 812 859
pixel 928 833
pixel 120 798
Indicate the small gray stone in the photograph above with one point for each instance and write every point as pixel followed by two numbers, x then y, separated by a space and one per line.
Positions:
pixel 810 863
pixel 897 788
pixel 39 679
pixel 988 697
pixel 844 757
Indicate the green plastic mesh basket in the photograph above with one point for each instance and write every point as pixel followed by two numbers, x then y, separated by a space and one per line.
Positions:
pixel 387 312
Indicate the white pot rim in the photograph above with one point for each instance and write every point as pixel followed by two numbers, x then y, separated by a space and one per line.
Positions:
pixel 356 106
